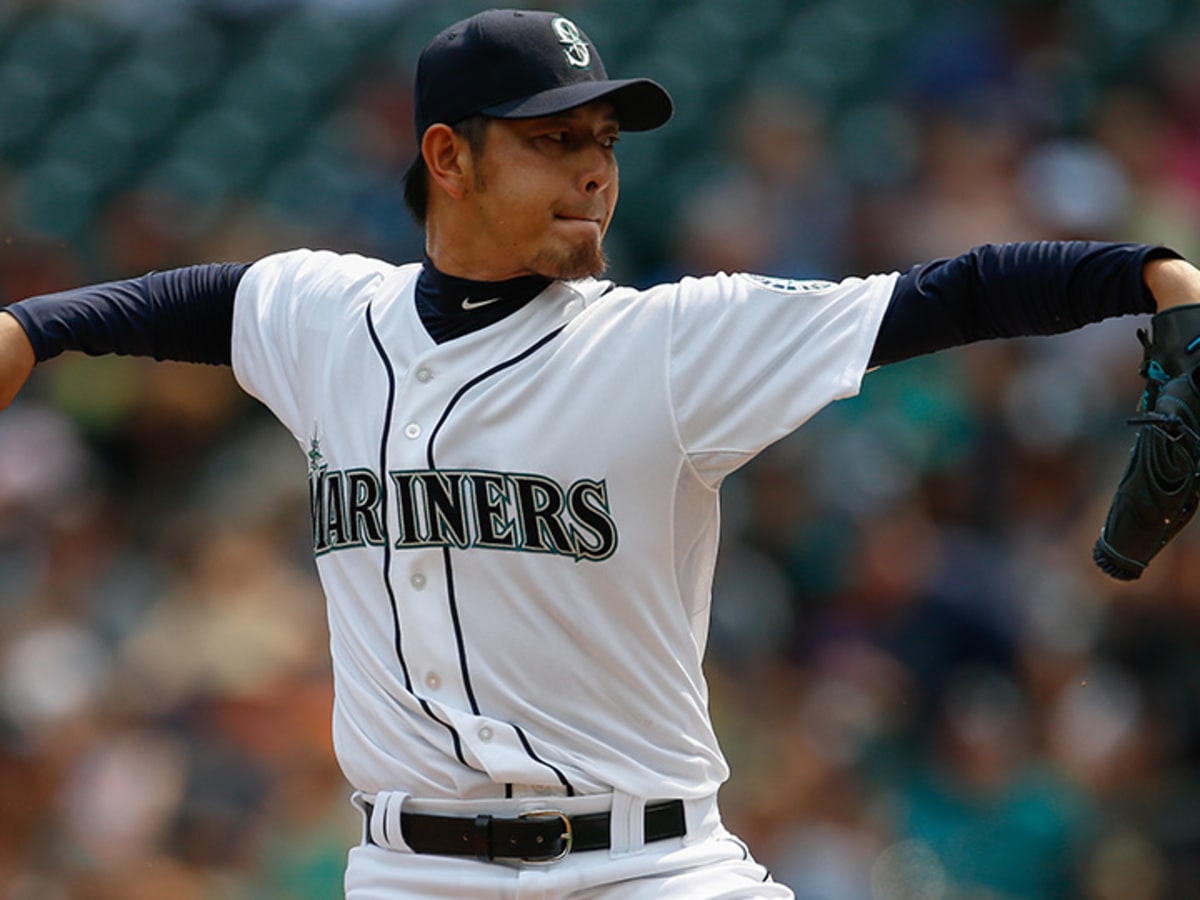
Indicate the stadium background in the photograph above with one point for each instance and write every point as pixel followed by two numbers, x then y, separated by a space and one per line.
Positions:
pixel 925 689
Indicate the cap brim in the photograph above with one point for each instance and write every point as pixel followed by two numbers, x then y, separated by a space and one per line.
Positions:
pixel 641 103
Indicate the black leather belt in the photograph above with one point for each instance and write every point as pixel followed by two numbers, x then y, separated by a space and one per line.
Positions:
pixel 544 835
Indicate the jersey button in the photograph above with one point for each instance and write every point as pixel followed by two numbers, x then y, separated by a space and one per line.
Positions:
pixel 432 681
pixel 412 431
pixel 485 733
pixel 418 581
pixel 424 375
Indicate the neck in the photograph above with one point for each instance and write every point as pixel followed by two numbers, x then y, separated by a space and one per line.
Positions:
pixel 452 284
pixel 452 257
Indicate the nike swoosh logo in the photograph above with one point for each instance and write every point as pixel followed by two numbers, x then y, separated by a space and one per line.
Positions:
pixel 470 304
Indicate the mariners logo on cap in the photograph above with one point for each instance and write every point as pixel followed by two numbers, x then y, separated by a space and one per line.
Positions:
pixel 575 49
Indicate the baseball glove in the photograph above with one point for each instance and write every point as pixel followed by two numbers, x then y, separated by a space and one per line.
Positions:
pixel 1159 492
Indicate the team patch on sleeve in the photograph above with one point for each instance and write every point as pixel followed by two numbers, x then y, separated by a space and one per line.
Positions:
pixel 789 285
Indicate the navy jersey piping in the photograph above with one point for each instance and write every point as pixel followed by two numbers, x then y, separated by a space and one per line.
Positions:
pixel 451 596
pixel 562 779
pixel 387 541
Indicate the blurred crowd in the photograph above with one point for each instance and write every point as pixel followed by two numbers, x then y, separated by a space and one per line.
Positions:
pixel 925 688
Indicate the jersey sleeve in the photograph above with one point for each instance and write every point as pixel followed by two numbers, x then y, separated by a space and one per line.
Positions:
pixel 286 307
pixel 752 358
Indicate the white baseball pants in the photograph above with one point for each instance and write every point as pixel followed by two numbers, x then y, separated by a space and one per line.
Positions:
pixel 708 864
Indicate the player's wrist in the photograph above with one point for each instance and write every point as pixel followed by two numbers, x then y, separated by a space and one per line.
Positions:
pixel 1172 282
pixel 16 357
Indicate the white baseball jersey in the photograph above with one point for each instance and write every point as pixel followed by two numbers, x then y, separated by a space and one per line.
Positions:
pixel 516 529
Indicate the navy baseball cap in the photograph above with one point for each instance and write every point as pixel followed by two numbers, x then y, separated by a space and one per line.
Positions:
pixel 520 64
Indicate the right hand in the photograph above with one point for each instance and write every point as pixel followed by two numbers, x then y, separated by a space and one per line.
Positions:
pixel 16 358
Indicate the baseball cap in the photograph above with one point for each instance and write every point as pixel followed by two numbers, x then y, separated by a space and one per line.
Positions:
pixel 518 64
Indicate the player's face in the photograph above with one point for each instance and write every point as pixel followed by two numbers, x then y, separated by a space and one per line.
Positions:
pixel 545 189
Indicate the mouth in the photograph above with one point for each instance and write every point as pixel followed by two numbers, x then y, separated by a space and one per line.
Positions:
pixel 594 220
pixel 588 226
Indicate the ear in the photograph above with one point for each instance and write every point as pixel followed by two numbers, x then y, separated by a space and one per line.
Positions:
pixel 448 159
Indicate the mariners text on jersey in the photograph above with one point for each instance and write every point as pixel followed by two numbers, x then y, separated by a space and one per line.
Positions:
pixel 462 508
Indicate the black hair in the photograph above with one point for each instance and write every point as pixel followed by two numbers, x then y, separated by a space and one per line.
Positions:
pixel 416 179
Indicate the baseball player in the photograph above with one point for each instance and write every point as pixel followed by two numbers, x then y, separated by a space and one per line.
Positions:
pixel 514 466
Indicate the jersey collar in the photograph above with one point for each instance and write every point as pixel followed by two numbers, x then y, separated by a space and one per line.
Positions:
pixel 451 307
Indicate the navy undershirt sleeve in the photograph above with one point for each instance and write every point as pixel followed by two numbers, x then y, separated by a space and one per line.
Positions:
pixel 181 314
pixel 1013 290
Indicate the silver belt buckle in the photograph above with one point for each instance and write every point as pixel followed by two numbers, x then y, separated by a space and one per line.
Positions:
pixel 568 837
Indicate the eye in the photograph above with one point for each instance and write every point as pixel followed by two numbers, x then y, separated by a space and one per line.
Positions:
pixel 558 137
pixel 609 141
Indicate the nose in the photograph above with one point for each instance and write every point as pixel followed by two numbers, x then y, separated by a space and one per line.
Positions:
pixel 597 170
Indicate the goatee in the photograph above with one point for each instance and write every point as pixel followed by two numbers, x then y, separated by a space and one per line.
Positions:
pixel 578 261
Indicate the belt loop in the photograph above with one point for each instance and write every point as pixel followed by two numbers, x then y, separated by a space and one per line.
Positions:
pixel 483 837
pixel 359 801
pixel 701 817
pixel 385 828
pixel 628 824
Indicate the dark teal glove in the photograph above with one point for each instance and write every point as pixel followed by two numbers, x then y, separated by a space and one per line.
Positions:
pixel 1160 489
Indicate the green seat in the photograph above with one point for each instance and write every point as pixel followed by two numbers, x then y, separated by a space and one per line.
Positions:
pixel 101 143
pixel 316 48
pixel 311 187
pixel 220 152
pixel 273 94
pixel 56 198
pixel 26 105
pixel 191 51
pixel 67 49
pixel 143 92
pixel 750 22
